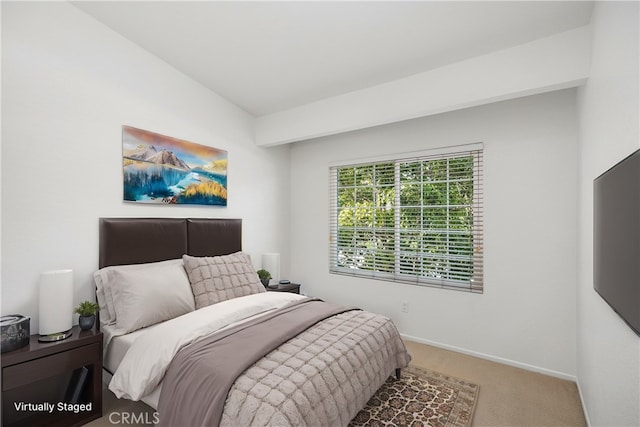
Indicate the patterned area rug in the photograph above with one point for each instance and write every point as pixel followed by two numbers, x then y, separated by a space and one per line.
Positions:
pixel 420 398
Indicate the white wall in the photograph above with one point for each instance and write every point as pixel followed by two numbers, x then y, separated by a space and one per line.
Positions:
pixel 526 315
pixel 68 85
pixel 608 352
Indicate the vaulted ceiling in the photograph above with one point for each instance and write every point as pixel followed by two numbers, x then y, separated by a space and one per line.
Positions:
pixel 270 56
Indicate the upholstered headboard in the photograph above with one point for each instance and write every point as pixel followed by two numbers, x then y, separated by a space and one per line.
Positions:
pixel 141 240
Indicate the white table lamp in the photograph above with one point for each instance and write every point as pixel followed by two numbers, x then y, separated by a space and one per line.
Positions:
pixel 56 305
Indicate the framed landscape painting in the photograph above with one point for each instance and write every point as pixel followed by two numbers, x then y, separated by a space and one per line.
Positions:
pixel 160 169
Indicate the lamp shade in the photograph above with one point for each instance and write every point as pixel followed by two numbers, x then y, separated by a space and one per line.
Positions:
pixel 271 263
pixel 56 301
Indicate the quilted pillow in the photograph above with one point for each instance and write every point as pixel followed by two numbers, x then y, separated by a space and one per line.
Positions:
pixel 220 278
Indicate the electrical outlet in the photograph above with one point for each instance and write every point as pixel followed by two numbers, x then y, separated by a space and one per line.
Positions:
pixel 405 307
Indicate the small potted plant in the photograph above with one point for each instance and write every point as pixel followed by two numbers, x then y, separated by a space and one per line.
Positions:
pixel 87 311
pixel 264 276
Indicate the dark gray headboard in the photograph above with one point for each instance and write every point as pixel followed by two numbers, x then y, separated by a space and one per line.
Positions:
pixel 140 240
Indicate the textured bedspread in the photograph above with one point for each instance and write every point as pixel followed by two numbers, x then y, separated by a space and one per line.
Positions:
pixel 209 367
pixel 322 376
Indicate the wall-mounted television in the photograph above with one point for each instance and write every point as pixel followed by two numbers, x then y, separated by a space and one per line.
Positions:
pixel 616 238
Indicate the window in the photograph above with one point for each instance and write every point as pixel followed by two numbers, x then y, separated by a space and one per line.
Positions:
pixel 416 219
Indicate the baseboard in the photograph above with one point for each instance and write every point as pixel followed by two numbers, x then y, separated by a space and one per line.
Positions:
pixel 508 362
pixel 584 406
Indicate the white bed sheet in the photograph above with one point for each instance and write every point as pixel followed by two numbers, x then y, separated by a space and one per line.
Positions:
pixel 114 352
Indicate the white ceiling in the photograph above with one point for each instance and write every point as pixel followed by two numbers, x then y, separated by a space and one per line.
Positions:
pixel 269 56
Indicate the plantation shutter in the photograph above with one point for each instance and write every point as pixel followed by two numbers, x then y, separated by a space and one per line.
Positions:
pixel 415 219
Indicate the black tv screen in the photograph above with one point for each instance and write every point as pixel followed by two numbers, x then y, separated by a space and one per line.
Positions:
pixel 616 238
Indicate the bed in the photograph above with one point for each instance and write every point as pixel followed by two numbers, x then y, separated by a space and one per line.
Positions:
pixel 191 331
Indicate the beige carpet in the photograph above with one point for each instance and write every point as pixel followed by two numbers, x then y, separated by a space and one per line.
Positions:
pixel 508 396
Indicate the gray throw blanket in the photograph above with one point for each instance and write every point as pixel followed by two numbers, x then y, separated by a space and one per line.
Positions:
pixel 198 380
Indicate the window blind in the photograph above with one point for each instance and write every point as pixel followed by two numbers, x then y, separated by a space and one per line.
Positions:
pixel 415 219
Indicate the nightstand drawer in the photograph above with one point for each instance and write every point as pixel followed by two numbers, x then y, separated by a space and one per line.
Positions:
pixel 44 367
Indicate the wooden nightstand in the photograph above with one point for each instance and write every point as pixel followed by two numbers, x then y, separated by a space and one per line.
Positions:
pixel 294 288
pixel 38 379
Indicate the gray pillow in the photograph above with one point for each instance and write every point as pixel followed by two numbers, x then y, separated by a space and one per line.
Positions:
pixel 105 279
pixel 220 278
pixel 146 296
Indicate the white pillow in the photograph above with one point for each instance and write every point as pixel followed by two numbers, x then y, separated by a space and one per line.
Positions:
pixel 146 296
pixel 105 317
pixel 105 278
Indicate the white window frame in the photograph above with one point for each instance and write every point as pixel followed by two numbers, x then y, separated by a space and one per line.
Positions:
pixel 475 283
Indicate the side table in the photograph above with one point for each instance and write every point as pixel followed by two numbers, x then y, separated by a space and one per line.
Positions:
pixel 294 288
pixel 53 384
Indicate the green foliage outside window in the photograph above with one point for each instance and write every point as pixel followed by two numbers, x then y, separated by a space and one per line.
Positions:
pixel 413 217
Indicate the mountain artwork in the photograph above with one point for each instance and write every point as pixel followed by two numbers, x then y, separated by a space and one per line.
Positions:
pixel 159 169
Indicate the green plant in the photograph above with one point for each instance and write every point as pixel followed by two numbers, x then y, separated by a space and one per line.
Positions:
pixel 264 274
pixel 86 308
